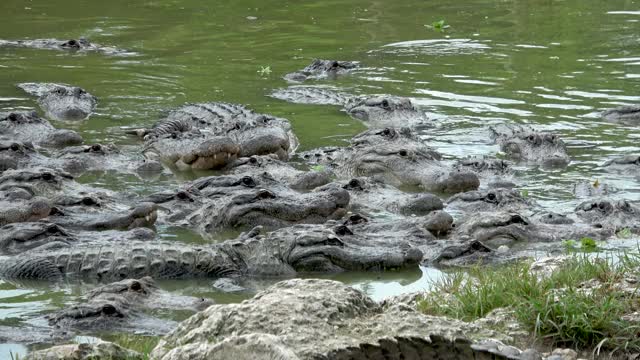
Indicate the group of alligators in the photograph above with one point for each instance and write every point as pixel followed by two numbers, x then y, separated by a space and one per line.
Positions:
pixel 326 210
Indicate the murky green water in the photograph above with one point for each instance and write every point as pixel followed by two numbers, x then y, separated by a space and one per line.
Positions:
pixel 553 64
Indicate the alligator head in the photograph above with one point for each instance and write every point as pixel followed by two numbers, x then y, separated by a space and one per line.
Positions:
pixel 74 44
pixel 385 111
pixel 271 206
pixel 27 126
pixel 142 215
pixel 327 248
pixel 319 69
pixel 396 157
pixel 14 154
pixel 616 214
pixel 38 181
pixel 20 237
pixel 62 102
pixel 489 200
pixel 525 144
pixel 484 165
pixel 19 210
pixel 193 150
pixel 263 135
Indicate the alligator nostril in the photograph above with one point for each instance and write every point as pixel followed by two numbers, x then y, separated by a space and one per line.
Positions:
pixel 109 309
pixel 248 181
pixel 343 230
pixel 265 194
pixel 356 219
pixel 182 195
pixel 136 286
pixel 403 152
pixel 47 176
pixel 88 201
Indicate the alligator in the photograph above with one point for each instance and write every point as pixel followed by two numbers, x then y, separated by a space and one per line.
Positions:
pixel 523 143
pixel 480 238
pixel 43 235
pixel 375 111
pixel 217 203
pixel 212 135
pixel 121 305
pixel 474 202
pixel 15 154
pixel 588 189
pixel 395 156
pixel 61 101
pixel 80 45
pixel 329 247
pixel 322 69
pixel 27 126
pixel 21 210
pixel 629 114
pixel 372 197
pixel 142 215
pixel 493 173
pixel 367 329
pixel 280 171
pixel 610 214
pixel 629 163
pixel 97 157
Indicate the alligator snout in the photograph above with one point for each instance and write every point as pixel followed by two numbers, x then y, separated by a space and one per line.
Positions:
pixel 458 181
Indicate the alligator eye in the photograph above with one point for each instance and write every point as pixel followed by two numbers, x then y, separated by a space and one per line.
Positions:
pixel 553 138
pixel 13 117
pixel 88 201
pixel 248 181
pixel 385 132
pixel 265 194
pixel 402 152
pixel 60 91
pixel 517 219
pixel 385 103
pixel 174 135
pixel 253 160
pixel 550 216
pixel 477 164
pixel 47 176
pixel 182 195
pixel 531 138
pixel 491 196
pixel 135 286
pixel 14 147
pixel 354 183
pixel 109 309
pixel 356 219
pixel 96 147
pixel 601 206
pixel 72 43
pixel 52 229
pixel 334 64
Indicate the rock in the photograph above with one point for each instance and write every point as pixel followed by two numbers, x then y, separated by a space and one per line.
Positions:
pixel 322 319
pixel 544 267
pixel 503 249
pixel 99 350
pixel 503 320
pixel 563 354
pixel 530 354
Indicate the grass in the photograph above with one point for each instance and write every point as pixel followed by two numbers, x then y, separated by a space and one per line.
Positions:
pixel 551 308
pixel 142 344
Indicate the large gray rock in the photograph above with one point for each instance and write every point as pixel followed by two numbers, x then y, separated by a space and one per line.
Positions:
pixel 321 319
pixel 98 350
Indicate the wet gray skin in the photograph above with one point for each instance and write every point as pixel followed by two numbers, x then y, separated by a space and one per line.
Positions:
pixel 373 198
pixel 44 235
pixel 39 181
pixel 329 247
pixel 141 215
pixel 623 114
pixel 490 200
pixel 122 305
pixel 375 111
pixel 610 214
pixel 523 143
pixel 27 126
pixel 493 173
pixel 322 69
pixel 280 171
pixel 15 154
pixel 97 157
pixel 553 218
pixel 191 151
pixel 477 239
pixel 79 44
pixel 385 110
pixel 254 133
pixel 269 204
pixel 21 210
pixel 396 157
pixel 62 102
